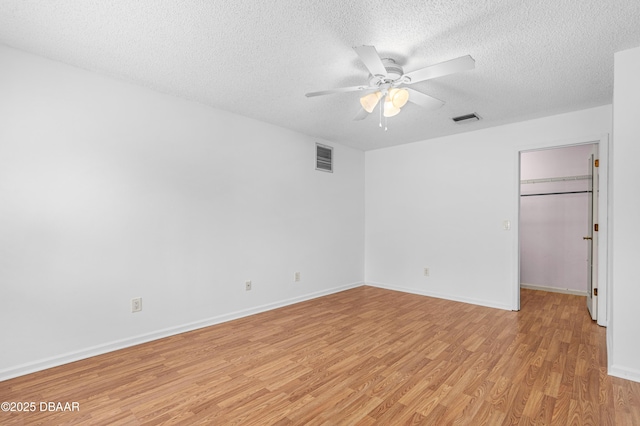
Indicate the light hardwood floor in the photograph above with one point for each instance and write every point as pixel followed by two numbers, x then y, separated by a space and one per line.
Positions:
pixel 363 356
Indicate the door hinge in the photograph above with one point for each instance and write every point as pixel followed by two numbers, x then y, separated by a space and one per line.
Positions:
pixel 595 291
pixel 595 227
pixel 597 163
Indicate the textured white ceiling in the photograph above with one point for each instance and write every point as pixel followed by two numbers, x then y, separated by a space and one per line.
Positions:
pixel 258 59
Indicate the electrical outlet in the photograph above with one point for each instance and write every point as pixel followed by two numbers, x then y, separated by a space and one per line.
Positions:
pixel 247 285
pixel 426 272
pixel 136 304
pixel 296 277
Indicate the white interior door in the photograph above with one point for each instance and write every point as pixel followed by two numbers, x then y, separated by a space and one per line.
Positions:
pixel 592 238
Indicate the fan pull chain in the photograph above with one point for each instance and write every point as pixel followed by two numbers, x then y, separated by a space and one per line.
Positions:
pixel 384 116
pixel 381 114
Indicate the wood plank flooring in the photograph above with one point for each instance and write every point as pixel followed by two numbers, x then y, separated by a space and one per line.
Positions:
pixel 360 357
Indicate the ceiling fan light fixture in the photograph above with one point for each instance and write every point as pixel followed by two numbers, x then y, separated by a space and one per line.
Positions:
pixel 385 78
pixel 399 97
pixel 370 101
pixel 389 109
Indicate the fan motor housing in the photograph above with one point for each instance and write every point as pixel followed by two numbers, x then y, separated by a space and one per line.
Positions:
pixel 394 72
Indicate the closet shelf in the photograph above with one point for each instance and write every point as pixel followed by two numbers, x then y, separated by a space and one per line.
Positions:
pixel 556 179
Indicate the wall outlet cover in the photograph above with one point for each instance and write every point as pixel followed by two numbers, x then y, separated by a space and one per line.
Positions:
pixel 136 304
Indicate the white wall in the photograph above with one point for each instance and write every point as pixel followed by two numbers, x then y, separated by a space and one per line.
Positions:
pixel 441 204
pixel 624 329
pixel 553 253
pixel 110 191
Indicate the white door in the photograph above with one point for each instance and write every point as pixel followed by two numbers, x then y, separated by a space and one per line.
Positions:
pixel 592 238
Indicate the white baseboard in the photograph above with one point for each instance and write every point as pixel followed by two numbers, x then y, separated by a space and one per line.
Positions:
pixel 624 373
pixel 553 289
pixel 43 364
pixel 486 303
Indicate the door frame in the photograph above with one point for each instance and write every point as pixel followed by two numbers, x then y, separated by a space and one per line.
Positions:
pixel 592 249
pixel 604 260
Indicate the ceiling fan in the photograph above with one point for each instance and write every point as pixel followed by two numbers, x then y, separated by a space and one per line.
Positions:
pixel 387 80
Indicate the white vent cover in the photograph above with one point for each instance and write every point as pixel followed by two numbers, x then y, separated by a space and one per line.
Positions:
pixel 324 158
pixel 466 118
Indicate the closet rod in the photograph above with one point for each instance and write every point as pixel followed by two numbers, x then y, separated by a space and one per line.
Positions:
pixel 556 179
pixel 556 193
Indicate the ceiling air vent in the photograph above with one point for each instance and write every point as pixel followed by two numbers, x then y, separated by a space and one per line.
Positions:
pixel 466 118
pixel 324 158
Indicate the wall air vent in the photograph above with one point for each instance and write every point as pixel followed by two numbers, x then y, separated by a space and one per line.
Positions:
pixel 466 118
pixel 324 158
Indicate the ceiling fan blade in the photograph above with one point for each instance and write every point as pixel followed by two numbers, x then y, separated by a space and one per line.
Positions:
pixel 361 115
pixel 423 100
pixel 463 63
pixel 370 58
pixel 340 90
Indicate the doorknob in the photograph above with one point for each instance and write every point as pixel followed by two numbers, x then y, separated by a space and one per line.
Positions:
pixel 587 238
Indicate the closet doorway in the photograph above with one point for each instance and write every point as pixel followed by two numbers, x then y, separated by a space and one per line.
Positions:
pixel 558 214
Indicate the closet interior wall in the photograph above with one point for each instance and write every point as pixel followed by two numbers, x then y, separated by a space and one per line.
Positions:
pixel 554 215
